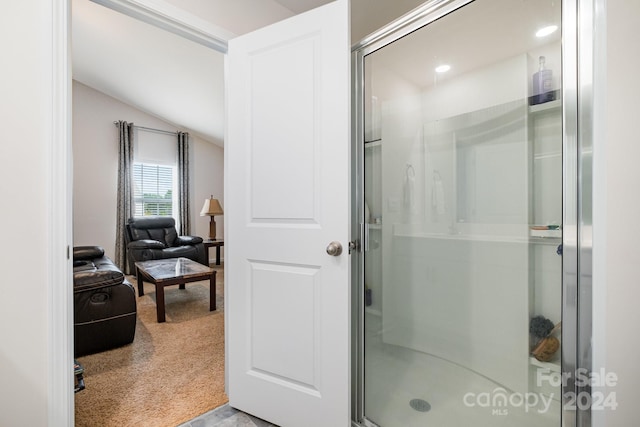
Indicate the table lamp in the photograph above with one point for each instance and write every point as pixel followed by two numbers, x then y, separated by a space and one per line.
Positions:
pixel 211 207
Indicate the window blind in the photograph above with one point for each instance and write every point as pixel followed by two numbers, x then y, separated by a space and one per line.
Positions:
pixel 153 189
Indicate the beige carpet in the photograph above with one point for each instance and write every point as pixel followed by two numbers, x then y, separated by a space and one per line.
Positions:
pixel 171 373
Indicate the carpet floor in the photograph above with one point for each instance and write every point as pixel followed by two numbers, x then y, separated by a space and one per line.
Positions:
pixel 171 373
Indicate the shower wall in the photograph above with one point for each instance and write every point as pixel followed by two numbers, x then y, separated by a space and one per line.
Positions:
pixel 462 277
pixel 459 299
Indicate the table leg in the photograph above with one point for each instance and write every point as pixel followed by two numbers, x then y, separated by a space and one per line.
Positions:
pixel 140 282
pixel 160 303
pixel 181 286
pixel 212 292
pixel 218 255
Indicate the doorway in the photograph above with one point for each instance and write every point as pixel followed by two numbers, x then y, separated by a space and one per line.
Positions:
pixel 95 153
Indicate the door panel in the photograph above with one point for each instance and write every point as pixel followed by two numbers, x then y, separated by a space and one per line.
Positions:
pixel 277 324
pixel 291 147
pixel 287 195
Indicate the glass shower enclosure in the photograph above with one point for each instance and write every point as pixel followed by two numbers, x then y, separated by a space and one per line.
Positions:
pixel 462 182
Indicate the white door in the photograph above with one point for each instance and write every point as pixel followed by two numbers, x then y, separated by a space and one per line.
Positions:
pixel 287 198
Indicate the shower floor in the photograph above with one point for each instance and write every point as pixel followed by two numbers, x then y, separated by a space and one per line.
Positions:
pixel 395 375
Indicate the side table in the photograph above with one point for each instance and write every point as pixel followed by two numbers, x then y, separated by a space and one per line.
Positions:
pixel 218 243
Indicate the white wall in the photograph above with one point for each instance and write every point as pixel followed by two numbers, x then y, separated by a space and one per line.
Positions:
pixel 619 190
pixel 29 224
pixel 95 163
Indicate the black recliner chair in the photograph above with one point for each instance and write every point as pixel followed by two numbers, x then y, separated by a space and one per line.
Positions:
pixel 104 303
pixel 155 237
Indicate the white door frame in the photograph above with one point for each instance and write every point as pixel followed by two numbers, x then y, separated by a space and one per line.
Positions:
pixel 173 19
pixel 60 304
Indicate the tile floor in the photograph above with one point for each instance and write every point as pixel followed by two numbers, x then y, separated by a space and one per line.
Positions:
pixel 226 416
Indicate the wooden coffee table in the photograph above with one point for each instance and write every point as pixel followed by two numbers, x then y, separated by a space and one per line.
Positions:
pixel 174 271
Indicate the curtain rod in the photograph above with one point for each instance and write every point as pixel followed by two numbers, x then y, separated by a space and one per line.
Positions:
pixel 152 129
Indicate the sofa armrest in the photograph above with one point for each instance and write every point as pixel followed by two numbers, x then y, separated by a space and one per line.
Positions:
pixel 146 244
pixel 94 279
pixel 87 252
pixel 187 240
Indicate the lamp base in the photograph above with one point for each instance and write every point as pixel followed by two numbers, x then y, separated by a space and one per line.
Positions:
pixel 212 228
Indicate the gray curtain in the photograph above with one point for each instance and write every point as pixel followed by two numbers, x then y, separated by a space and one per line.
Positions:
pixel 184 210
pixel 125 199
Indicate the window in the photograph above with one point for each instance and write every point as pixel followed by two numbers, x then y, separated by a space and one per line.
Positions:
pixel 154 189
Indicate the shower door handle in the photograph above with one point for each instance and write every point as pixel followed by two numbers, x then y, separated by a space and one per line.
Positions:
pixel 365 236
pixel 334 249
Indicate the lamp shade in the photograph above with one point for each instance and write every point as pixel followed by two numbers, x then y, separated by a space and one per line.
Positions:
pixel 211 207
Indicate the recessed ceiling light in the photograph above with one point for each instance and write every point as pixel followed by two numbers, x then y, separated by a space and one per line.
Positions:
pixel 443 68
pixel 543 32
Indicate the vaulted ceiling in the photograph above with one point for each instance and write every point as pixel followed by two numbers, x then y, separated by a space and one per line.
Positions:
pixel 178 80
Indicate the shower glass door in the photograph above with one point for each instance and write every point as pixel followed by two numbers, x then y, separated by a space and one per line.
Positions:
pixel 463 216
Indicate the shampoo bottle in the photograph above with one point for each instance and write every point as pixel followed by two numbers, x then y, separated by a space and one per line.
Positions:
pixel 543 85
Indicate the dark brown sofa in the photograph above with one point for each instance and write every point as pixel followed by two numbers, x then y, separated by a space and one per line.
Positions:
pixel 104 303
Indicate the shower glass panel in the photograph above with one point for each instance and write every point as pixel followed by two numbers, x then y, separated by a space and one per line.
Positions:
pixel 463 218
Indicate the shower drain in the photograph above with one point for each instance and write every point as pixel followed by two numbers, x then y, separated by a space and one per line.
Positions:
pixel 420 405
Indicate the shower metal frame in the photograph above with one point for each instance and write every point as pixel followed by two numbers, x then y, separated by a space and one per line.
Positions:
pixel 579 17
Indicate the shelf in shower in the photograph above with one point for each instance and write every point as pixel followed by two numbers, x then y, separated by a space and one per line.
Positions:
pixel 546 234
pixel 372 144
pixel 547 106
pixel 553 366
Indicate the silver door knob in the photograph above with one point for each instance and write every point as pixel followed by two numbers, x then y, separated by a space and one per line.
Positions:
pixel 334 248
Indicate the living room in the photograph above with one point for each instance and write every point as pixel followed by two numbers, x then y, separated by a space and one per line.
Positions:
pixel 169 84
pixel 95 186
